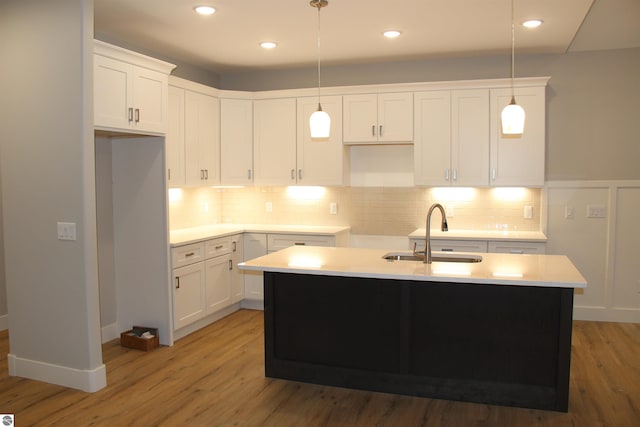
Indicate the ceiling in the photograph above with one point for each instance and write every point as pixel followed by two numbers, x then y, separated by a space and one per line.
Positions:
pixel 351 30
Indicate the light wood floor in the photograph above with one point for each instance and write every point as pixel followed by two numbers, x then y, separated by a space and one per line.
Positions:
pixel 215 377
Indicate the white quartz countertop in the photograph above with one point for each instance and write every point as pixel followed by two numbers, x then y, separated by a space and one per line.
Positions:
pixel 195 234
pixel 497 235
pixel 496 269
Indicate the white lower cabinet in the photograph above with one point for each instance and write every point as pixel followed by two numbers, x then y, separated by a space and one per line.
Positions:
pixel 505 247
pixel 518 247
pixel 188 294
pixel 255 245
pixel 237 278
pixel 203 284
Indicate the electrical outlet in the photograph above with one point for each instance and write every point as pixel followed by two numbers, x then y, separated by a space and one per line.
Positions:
pixel 333 208
pixel 528 212
pixel 449 209
pixel 268 207
pixel 596 211
pixel 569 212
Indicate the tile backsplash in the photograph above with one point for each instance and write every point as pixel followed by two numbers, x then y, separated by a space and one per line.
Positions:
pixel 393 211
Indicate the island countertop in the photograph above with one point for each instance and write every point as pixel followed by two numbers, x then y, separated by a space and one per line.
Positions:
pixel 494 269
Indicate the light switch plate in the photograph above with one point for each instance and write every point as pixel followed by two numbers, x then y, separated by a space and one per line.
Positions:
pixel 528 212
pixel 596 211
pixel 66 231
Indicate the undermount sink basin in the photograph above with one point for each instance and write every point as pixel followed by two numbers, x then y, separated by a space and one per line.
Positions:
pixel 437 257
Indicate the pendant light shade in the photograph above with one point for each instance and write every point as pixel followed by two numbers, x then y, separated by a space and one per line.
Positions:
pixel 319 122
pixel 513 119
pixel 512 115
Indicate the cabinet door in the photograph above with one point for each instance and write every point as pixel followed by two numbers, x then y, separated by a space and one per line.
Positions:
pixel 188 294
pixel 470 137
pixel 175 138
pixel 237 278
pixel 236 142
pixel 202 138
pixel 149 100
pixel 518 160
pixel 360 118
pixel 432 145
pixel 320 161
pixel 112 92
pixel 395 117
pixel 255 245
pixel 274 144
pixel 218 283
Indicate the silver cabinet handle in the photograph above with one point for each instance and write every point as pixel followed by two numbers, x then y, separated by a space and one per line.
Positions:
pixel 219 247
pixel 293 174
pixel 177 282
pixel 493 174
pixel 455 174
pixel 516 251
pixel 230 265
pixel 299 174
pixel 169 174
pixel 380 131
pixel 130 114
pixel 189 254
pixel 249 174
pixel 235 246
pixel 299 243
pixel 201 173
pixel 206 174
pixel 447 250
pixel 137 115
pixel 446 175
pixel 373 130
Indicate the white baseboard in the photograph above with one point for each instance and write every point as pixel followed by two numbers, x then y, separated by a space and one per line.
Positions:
pixel 602 314
pixel 252 304
pixel 4 322
pixel 80 379
pixel 110 332
pixel 199 324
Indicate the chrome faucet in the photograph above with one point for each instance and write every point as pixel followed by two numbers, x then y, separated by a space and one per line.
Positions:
pixel 443 227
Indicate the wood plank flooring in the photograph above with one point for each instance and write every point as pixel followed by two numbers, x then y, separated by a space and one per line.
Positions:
pixel 215 377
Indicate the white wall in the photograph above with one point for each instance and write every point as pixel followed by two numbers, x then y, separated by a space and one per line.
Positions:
pixel 46 134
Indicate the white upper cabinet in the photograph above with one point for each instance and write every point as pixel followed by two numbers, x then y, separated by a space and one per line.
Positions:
pixel 274 141
pixel 385 117
pixel 175 138
pixel 519 160
pixel 236 142
pixel 452 138
pixel 202 138
pixel 130 90
pixel 321 161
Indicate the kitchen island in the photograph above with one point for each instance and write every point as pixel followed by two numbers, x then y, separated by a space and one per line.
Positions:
pixel 497 331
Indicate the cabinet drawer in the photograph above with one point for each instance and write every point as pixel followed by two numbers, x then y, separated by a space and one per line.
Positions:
pixel 217 247
pixel 450 245
pixel 275 242
pixel 187 254
pixel 518 247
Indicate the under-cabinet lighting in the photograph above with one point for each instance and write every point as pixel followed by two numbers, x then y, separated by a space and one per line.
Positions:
pixel 305 193
pixel 204 10
pixel 454 194
pixel 509 193
pixel 175 195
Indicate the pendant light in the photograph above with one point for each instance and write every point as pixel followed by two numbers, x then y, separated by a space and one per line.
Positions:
pixel 319 122
pixel 512 114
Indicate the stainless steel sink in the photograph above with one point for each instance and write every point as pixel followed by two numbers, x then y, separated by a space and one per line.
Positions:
pixel 448 257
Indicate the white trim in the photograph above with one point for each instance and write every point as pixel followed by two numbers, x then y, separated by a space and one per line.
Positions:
pixel 110 332
pixel 4 322
pixel 252 304
pixel 121 54
pixel 205 321
pixel 89 380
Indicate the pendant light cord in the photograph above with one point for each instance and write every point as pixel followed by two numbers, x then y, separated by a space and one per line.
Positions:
pixel 319 7
pixel 513 48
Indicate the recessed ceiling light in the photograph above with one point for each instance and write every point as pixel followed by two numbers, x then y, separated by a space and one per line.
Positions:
pixel 532 23
pixel 268 45
pixel 391 34
pixel 204 10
